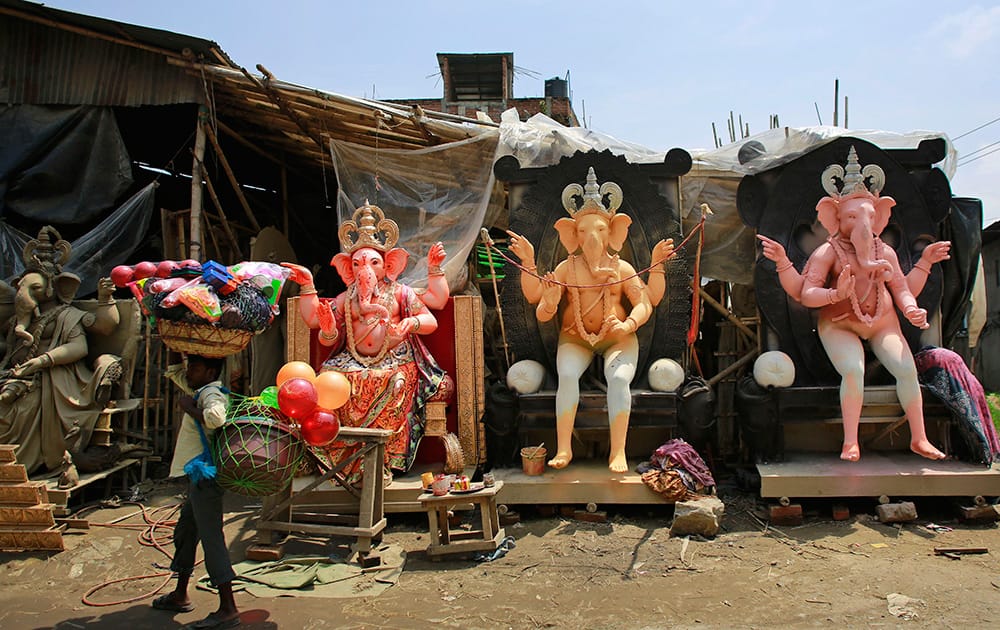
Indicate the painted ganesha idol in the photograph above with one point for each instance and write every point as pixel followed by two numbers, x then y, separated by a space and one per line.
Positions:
pixel 374 330
pixel 854 280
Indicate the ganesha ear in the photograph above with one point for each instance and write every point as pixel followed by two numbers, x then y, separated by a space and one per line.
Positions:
pixel 567 234
pixel 342 262
pixel 828 211
pixel 883 208
pixel 619 231
pixel 66 285
pixel 395 262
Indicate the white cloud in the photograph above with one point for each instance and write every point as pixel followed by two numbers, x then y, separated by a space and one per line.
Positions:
pixel 966 32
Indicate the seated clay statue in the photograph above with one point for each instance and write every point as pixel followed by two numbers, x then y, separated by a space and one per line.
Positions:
pixel 373 329
pixel 594 318
pixel 853 279
pixel 50 397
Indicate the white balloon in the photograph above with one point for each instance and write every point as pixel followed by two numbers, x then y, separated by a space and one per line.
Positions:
pixel 665 375
pixel 526 377
pixel 774 369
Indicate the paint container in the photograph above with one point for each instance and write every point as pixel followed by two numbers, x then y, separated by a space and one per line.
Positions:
pixel 533 460
pixel 441 485
pixel 427 479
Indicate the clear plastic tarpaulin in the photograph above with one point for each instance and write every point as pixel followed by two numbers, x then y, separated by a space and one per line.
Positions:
pixel 108 244
pixel 443 193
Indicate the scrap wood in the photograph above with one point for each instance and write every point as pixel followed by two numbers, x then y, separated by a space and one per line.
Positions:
pixel 944 551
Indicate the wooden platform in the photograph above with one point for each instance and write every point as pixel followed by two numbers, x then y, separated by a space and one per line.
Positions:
pixel 580 483
pixel 895 474
pixel 61 496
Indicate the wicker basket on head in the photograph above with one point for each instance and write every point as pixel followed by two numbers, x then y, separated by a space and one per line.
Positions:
pixel 203 339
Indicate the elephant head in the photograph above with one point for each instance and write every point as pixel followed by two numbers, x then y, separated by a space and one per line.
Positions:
pixel 856 211
pixel 36 292
pixel 366 270
pixel 594 228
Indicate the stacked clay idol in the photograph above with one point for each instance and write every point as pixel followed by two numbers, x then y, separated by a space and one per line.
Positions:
pixel 243 296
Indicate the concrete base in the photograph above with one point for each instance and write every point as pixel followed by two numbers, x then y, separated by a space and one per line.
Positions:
pixel 893 474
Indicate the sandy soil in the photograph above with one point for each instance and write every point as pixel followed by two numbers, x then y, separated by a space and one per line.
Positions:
pixel 564 573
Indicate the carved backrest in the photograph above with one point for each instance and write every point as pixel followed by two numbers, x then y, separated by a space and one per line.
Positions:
pixel 649 198
pixel 781 204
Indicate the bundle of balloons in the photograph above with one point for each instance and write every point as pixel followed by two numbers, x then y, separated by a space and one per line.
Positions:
pixel 310 399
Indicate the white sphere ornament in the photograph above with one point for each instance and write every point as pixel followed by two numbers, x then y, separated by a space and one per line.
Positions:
pixel 526 377
pixel 774 369
pixel 665 375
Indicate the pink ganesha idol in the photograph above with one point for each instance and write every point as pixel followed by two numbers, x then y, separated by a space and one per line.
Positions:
pixel 854 279
pixel 374 329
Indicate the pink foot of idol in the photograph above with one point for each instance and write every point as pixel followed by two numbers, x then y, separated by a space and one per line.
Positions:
pixel 850 453
pixel 925 449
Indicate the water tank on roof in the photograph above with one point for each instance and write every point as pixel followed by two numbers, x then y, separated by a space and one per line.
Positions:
pixel 556 88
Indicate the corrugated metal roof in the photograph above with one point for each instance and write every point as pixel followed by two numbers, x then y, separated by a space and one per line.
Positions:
pixel 141 35
pixel 42 65
pixel 53 57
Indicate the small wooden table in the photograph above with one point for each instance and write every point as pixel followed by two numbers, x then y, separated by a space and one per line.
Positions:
pixel 444 541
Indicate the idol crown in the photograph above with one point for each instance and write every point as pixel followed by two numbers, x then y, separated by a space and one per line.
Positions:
pixel 853 180
pixel 592 197
pixel 368 228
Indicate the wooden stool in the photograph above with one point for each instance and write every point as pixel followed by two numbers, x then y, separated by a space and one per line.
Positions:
pixel 445 541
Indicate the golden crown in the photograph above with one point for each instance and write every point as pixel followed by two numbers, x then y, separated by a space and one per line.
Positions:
pixel 853 180
pixel 368 228
pixel 592 197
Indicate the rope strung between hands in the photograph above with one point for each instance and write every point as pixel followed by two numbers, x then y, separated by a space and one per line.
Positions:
pixel 698 229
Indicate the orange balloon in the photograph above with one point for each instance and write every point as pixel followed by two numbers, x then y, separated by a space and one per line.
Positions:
pixel 333 388
pixel 295 369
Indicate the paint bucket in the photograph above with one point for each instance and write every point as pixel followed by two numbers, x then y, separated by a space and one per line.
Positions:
pixel 533 460
pixel 441 485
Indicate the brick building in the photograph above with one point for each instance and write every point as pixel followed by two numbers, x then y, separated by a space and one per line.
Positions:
pixel 484 82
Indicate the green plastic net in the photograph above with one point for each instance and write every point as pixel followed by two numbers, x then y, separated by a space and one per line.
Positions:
pixel 257 452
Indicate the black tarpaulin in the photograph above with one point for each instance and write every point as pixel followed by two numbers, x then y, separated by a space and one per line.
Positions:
pixel 61 165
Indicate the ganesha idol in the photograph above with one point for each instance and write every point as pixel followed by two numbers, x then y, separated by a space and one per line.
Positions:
pixel 854 280
pixel 373 329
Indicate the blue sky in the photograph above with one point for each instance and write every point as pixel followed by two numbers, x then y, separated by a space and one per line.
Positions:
pixel 656 73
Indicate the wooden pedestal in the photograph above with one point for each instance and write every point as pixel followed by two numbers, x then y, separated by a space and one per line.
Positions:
pixel 277 514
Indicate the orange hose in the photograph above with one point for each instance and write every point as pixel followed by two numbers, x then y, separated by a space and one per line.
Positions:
pixel 148 537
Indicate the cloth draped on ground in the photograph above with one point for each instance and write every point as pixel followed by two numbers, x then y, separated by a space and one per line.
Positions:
pixel 56 402
pixel 677 472
pixel 945 374
pixel 316 576
pixel 387 395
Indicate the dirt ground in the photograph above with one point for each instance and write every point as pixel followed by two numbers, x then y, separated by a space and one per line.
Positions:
pixel 564 573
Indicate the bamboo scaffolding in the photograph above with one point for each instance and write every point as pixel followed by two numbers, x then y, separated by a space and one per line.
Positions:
pixel 232 176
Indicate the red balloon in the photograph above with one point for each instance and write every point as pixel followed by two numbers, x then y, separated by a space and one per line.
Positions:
pixel 297 398
pixel 144 269
pixel 121 275
pixel 165 268
pixel 320 428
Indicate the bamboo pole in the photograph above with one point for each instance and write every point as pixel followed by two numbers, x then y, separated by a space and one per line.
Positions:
pixel 232 177
pixel 196 178
pixel 222 213
pixel 746 358
pixel 743 328
pixel 284 197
